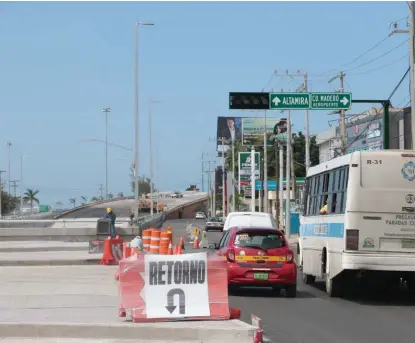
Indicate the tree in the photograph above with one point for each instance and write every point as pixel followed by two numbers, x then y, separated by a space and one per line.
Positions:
pixel 72 201
pixel 8 203
pixel 143 184
pixel 30 197
pixel 120 195
pixel 58 204
pixel 110 196
pixel 94 199
pixel 84 200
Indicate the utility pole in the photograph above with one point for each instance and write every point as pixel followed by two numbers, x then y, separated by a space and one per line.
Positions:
pixel 101 189
pixel 14 186
pixel 210 193
pixel 277 180
pixel 342 114
pixel 9 147
pixel 223 181
pixel 281 184
pixel 106 111
pixel 1 194
pixel 302 88
pixel 265 199
pixel 203 173
pixel 253 179
pixel 411 31
pixel 233 177
pixel 288 177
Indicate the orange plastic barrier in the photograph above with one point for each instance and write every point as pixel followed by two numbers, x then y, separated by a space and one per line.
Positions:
pixel 155 242
pixel 164 243
pixel 146 239
pixel 187 287
pixel 126 250
pixel 113 251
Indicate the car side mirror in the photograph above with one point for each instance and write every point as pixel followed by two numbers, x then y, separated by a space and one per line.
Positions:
pixel 283 232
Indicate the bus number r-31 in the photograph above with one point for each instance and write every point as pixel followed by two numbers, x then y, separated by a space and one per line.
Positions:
pixel 374 161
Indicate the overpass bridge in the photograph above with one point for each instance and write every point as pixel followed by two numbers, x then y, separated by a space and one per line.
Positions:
pixel 79 225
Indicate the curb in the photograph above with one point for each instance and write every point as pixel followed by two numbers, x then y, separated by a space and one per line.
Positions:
pixel 57 262
pixel 170 331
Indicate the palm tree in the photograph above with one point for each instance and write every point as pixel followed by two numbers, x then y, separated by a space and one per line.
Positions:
pixel 84 200
pixel 58 204
pixel 30 196
pixel 110 196
pixel 72 201
pixel 94 199
pixel 120 195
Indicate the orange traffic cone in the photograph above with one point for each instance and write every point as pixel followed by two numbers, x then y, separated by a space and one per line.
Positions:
pixel 117 275
pixel 196 243
pixel 181 243
pixel 176 248
pixel 170 251
pixel 179 250
pixel 107 257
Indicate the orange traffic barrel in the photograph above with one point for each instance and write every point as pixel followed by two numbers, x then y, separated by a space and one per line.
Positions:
pixel 170 234
pixel 146 239
pixel 164 242
pixel 155 242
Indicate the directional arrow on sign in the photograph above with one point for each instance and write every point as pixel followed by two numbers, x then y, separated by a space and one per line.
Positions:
pixel 344 101
pixel 170 300
pixel 276 101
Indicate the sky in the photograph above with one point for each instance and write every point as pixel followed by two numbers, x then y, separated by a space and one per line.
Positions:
pixel 61 63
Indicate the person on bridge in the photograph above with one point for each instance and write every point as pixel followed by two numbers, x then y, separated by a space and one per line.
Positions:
pixel 111 216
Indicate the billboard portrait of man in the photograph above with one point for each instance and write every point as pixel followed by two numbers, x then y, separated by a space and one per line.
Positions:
pixel 229 128
pixel 279 133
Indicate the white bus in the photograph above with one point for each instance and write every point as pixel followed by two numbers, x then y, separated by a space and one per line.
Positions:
pixel 369 228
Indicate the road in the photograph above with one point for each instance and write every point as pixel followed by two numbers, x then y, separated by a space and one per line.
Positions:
pixel 313 317
pixel 122 208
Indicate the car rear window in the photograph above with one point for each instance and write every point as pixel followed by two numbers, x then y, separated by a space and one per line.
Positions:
pixel 261 239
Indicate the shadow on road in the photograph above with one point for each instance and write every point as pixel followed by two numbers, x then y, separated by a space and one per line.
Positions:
pixel 375 295
pixel 265 292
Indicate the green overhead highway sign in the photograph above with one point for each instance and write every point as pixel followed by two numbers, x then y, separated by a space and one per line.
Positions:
pixel 330 101
pixel 310 101
pixel 289 101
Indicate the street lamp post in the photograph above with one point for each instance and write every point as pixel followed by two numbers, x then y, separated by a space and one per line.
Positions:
pixel 150 121
pixel 106 111
pixel 136 117
pixel 9 147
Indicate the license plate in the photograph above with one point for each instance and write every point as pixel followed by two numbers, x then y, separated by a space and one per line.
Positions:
pixel 408 244
pixel 260 276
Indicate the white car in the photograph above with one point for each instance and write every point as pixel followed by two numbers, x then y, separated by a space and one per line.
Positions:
pixel 249 219
pixel 200 215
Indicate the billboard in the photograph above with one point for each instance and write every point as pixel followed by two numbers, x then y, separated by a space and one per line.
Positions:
pixel 253 131
pixel 245 168
pixel 230 128
pixel 365 134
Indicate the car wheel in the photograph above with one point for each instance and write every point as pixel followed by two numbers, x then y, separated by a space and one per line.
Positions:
pixel 291 291
pixel 333 287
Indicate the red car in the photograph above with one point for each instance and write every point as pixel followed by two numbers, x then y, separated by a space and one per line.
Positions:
pixel 259 257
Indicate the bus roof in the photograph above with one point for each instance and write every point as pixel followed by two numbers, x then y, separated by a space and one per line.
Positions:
pixel 345 160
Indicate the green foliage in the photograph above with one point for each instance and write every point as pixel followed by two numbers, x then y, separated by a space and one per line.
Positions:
pixel 8 203
pixel 143 184
pixel 72 201
pixel 298 154
pixel 30 196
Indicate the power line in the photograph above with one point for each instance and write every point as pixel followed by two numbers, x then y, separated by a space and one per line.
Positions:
pixel 379 57
pixel 380 67
pixel 356 58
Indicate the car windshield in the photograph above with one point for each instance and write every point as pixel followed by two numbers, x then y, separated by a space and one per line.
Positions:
pixel 262 240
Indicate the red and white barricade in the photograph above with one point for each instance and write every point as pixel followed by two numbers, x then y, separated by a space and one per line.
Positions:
pixel 155 288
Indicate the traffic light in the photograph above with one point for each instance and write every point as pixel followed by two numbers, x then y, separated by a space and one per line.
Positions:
pixel 249 101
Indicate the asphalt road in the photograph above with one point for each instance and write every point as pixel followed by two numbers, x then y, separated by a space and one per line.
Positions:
pixel 122 208
pixel 367 317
